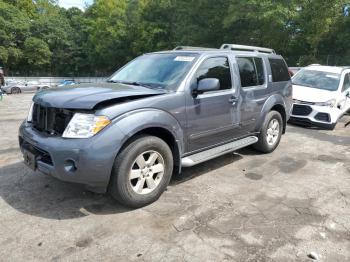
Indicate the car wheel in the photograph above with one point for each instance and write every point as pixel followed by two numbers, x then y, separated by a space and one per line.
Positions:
pixel 141 172
pixel 15 90
pixel 332 126
pixel 271 133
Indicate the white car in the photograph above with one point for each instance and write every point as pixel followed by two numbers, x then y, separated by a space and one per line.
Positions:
pixel 14 87
pixel 321 95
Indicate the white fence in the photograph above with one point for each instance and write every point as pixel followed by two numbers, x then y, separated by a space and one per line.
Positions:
pixel 56 80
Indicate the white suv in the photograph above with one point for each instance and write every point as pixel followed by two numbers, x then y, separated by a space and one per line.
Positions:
pixel 321 95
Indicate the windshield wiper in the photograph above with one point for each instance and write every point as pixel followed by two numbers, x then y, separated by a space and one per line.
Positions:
pixel 135 83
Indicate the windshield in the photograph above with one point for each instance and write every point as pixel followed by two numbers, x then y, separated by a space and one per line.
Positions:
pixel 162 71
pixel 317 79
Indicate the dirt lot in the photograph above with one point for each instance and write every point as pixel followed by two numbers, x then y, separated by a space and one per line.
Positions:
pixel 239 207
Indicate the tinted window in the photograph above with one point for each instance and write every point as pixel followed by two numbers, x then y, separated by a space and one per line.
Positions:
pixel 216 67
pixel 247 71
pixel 251 71
pixel 279 70
pixel 260 70
pixel 346 84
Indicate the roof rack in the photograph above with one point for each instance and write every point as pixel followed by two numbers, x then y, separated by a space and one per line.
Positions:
pixel 248 48
pixel 192 48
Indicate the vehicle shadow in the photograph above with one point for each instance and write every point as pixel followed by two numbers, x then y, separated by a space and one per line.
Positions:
pixel 40 195
pixel 203 168
pixel 306 126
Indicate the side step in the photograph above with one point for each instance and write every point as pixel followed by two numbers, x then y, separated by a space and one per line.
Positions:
pixel 217 151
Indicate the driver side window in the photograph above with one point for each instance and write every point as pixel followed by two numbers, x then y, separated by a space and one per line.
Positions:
pixel 346 84
pixel 216 67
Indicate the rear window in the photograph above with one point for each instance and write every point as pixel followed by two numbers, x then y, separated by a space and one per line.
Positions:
pixel 279 70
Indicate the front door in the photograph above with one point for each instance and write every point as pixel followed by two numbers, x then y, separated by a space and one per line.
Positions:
pixel 212 117
pixel 345 99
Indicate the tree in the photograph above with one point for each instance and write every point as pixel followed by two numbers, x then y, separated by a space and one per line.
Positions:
pixel 37 53
pixel 15 28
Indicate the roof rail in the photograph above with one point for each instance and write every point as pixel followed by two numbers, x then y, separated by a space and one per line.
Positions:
pixel 248 48
pixel 192 48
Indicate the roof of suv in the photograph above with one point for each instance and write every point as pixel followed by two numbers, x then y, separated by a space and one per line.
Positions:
pixel 224 49
pixel 217 51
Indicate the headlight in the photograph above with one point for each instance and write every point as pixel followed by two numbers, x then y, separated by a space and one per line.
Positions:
pixel 330 103
pixel 30 113
pixel 85 125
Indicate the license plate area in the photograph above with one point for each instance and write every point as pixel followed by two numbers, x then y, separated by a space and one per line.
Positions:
pixel 29 159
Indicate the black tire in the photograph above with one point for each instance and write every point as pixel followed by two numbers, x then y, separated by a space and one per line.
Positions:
pixel 332 126
pixel 15 90
pixel 263 145
pixel 121 187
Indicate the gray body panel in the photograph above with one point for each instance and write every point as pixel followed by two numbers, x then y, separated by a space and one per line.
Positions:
pixel 196 123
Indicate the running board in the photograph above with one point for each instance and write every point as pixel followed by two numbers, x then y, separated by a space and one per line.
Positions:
pixel 217 151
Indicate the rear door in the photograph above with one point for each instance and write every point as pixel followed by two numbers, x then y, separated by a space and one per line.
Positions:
pixel 253 82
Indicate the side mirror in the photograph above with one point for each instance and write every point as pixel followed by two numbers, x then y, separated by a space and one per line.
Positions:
pixel 206 85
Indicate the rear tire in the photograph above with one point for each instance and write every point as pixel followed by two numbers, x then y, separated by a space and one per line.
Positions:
pixel 271 133
pixel 141 172
pixel 15 90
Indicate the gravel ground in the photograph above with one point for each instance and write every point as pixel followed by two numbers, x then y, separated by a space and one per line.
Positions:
pixel 239 207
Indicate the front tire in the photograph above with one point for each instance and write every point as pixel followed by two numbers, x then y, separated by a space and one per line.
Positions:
pixel 141 172
pixel 271 133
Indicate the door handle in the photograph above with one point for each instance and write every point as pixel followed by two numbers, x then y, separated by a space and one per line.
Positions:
pixel 233 99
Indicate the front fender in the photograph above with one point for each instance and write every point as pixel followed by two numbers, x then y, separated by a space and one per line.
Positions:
pixel 135 121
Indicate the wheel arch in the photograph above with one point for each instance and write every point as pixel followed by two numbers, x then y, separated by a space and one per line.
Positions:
pixel 153 122
pixel 276 103
pixel 163 134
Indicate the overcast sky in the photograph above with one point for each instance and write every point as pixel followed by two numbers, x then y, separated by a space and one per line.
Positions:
pixel 76 3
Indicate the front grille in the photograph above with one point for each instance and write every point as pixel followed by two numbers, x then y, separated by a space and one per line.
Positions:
pixel 323 117
pixel 50 120
pixel 301 110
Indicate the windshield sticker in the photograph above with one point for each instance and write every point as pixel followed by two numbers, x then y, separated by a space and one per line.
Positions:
pixel 184 58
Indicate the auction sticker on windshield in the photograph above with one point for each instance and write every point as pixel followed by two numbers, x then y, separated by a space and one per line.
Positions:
pixel 184 58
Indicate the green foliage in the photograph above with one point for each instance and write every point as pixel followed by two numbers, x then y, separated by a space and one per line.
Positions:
pixel 36 52
pixel 39 37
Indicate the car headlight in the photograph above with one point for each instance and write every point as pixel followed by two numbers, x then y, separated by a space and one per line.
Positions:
pixel 30 113
pixel 330 103
pixel 85 125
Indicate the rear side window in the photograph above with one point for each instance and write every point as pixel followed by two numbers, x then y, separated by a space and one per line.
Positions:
pixel 216 67
pixel 279 70
pixel 251 71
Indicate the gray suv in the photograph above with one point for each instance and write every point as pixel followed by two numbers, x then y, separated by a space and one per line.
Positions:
pixel 159 113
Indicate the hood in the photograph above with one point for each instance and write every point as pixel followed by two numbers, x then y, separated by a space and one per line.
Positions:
pixel 88 96
pixel 309 94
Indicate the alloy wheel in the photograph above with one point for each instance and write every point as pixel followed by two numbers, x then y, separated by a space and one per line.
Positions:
pixel 146 172
pixel 273 132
